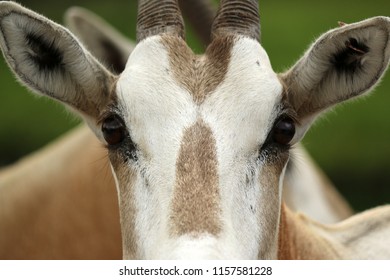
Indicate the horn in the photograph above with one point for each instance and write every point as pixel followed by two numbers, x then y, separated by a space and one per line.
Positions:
pixel 237 17
pixel 158 17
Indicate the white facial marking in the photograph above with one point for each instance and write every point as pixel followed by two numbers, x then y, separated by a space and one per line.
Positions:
pixel 157 111
pixel 240 113
pixel 204 247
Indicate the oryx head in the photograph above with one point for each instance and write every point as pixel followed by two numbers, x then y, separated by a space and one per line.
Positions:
pixel 198 143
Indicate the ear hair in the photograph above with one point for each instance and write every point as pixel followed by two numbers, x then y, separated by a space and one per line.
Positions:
pixel 48 59
pixel 343 63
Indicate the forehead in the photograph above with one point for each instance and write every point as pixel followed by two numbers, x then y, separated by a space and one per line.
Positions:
pixel 168 60
pixel 234 77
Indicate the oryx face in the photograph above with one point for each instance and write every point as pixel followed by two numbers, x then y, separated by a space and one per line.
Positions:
pixel 198 145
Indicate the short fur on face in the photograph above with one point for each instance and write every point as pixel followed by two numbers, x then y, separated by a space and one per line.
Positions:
pixel 186 96
pixel 197 165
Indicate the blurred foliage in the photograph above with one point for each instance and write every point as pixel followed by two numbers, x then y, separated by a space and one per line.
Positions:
pixel 352 143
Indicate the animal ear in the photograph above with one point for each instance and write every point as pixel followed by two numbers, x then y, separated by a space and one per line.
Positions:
pixel 48 59
pixel 343 63
pixel 101 39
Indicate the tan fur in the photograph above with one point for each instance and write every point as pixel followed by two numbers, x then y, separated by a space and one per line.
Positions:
pixel 200 75
pixel 298 241
pixel 99 31
pixel 363 236
pixel 127 210
pixel 299 237
pixel 60 203
pixel 195 202
pixel 32 190
pixel 269 180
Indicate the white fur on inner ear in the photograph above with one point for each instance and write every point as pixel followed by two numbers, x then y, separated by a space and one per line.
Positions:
pixel 343 63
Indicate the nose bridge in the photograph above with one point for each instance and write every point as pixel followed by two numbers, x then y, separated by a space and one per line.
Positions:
pixel 195 205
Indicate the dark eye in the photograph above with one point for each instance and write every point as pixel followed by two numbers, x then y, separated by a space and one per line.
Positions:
pixel 113 130
pixel 283 131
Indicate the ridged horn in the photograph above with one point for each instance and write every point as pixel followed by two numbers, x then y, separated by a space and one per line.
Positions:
pixel 237 17
pixel 158 17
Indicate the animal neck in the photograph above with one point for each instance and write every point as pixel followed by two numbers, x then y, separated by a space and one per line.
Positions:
pixel 300 238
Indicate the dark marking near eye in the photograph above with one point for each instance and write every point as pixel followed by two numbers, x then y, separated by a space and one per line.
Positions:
pixel 250 176
pixel 349 58
pixel 44 53
pixel 124 153
pixel 248 180
pixel 131 152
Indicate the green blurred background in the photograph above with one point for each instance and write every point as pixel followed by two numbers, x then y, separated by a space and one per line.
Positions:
pixel 351 143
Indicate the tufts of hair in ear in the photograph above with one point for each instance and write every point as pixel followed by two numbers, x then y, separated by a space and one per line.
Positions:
pixel 48 59
pixel 351 58
pixel 44 54
pixel 343 63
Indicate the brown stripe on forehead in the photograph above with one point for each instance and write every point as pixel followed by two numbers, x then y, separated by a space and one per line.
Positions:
pixel 196 199
pixel 200 75
pixel 217 62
